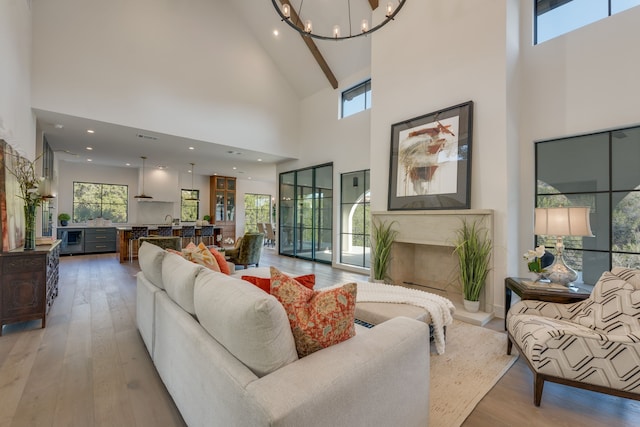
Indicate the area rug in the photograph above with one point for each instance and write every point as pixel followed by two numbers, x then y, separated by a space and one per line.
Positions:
pixel 474 360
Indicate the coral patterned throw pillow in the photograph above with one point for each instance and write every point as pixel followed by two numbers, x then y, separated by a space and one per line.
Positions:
pixel 318 319
pixel 264 283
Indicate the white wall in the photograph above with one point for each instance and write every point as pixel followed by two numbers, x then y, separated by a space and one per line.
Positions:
pixel 581 82
pixel 445 53
pixel 17 123
pixel 181 68
pixel 324 138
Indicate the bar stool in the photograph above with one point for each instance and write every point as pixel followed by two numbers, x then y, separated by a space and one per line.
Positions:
pixel 206 231
pixel 188 232
pixel 136 233
pixel 165 230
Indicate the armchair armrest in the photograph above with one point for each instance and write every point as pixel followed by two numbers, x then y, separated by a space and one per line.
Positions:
pixel 355 382
pixel 547 309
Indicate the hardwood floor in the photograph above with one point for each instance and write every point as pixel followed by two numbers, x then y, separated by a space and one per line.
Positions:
pixel 89 366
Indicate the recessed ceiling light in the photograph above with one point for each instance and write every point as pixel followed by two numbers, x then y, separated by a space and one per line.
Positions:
pixel 90 131
pixel 191 148
pixel 276 33
pixel 58 126
pixel 127 164
pixel 89 160
pixel 234 168
pixel 162 167
pixel 248 177
pixel 89 148
pixel 259 160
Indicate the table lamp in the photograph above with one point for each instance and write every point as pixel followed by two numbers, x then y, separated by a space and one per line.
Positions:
pixel 559 222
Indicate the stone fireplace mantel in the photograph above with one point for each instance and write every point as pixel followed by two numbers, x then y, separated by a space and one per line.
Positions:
pixel 422 254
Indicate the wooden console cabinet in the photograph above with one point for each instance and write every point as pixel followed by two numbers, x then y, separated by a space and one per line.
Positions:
pixel 29 283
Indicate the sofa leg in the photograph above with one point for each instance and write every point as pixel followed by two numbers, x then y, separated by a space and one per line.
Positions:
pixel 538 385
pixel 509 345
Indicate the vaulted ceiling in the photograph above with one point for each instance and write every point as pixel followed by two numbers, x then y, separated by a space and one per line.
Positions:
pixel 308 65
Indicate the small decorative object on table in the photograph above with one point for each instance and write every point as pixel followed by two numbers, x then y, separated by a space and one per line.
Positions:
pixel 535 258
pixel 25 172
pixel 64 219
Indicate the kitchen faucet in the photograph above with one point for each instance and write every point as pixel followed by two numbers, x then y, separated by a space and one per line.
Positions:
pixel 170 218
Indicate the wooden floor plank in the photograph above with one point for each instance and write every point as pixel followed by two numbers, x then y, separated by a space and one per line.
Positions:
pixel 15 373
pixel 38 402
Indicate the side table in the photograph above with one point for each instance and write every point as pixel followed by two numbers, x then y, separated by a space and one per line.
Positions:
pixel 549 292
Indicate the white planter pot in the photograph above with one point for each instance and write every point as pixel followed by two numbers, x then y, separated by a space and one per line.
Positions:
pixel 471 306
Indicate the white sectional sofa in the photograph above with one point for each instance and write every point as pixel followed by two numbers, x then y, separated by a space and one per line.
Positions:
pixel 225 352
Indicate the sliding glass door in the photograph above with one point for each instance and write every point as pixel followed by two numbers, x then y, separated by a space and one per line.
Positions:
pixel 306 213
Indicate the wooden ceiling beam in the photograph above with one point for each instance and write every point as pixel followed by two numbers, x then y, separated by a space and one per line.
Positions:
pixel 313 48
pixel 374 4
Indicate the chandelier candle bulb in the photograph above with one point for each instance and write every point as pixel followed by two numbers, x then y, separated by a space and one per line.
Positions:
pixel 286 10
pixel 336 31
pixel 365 26
pixel 389 9
pixel 308 26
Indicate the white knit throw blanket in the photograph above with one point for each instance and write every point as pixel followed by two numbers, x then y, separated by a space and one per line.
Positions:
pixel 439 308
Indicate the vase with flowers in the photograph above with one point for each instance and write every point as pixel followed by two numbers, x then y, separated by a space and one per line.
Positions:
pixel 537 260
pixel 29 184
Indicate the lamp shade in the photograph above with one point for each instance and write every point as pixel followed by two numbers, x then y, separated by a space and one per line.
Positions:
pixel 569 221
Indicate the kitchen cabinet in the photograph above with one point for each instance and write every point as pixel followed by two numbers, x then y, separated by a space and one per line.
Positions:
pixel 100 240
pixel 223 204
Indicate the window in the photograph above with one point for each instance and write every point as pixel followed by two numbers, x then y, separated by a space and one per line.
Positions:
pixel 306 213
pixel 600 171
pixel 257 209
pixel 356 99
pixel 556 17
pixel 189 205
pixel 107 201
pixel 355 217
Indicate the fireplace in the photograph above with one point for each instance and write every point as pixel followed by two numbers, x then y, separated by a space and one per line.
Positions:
pixel 422 255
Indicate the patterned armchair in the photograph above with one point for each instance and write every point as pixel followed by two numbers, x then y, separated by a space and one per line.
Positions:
pixel 592 344
pixel 248 251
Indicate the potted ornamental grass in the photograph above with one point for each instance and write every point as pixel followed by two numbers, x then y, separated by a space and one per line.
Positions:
pixel 382 236
pixel 473 248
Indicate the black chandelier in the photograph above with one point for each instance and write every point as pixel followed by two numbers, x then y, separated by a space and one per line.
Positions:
pixel 293 18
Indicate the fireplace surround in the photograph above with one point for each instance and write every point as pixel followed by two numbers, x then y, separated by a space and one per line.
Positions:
pixel 422 254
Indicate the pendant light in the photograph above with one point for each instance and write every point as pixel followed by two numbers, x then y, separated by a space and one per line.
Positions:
pixel 192 199
pixel 142 196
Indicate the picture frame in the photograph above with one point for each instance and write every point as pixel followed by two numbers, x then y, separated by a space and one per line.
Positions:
pixel 430 162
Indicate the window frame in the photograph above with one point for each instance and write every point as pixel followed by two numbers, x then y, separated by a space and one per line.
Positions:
pixel 366 84
pixel 599 194
pixel 253 228
pixel 184 201
pixel 74 204
pixel 548 6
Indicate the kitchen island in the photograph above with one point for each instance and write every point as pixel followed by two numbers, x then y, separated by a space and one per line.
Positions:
pixel 124 234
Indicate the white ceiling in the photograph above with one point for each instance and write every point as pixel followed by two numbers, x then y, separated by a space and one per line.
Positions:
pixel 116 145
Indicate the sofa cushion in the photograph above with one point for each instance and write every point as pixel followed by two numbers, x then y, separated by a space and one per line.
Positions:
pixel 318 319
pixel 179 277
pixel 249 323
pixel 222 262
pixel 200 255
pixel 150 259
pixel 264 283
